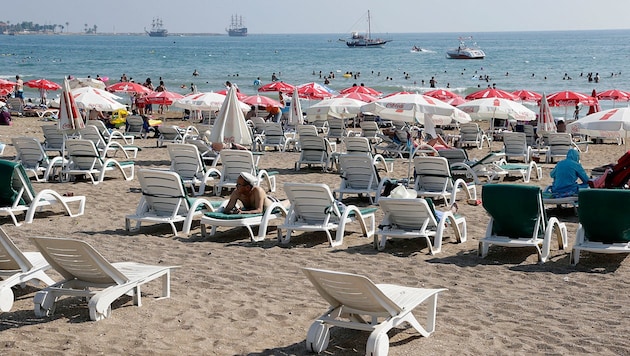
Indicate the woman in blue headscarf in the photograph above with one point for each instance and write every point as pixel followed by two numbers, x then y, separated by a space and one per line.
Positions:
pixel 566 174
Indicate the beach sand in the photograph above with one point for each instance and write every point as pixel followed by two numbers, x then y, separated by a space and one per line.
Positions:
pixel 233 297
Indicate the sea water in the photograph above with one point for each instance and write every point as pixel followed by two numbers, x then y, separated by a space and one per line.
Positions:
pixel 537 61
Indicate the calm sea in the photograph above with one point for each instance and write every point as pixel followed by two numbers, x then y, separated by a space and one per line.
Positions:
pixel 515 60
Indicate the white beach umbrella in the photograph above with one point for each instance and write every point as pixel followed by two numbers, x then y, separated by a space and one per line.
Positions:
pixel 340 108
pixel 205 101
pixel 296 117
pixel 497 108
pixel 230 125
pixel 93 98
pixel 613 123
pixel 412 108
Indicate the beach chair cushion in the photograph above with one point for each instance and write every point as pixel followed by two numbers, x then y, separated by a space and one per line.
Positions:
pixel 604 225
pixel 511 220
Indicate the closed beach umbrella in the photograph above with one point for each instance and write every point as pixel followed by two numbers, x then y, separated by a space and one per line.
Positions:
pixel 230 125
pixel 42 84
pixel 491 93
pixel 70 119
pixel 545 123
pixel 296 117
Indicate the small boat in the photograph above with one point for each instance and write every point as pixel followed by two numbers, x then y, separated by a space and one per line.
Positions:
pixel 416 49
pixel 236 28
pixel 157 29
pixel 465 51
pixel 365 40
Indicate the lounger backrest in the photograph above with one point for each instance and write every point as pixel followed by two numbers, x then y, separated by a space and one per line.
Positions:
pixel 306 130
pixel 234 162
pixel 432 173
pixel 92 133
pixel 313 147
pixel 15 186
pixel 354 292
pixel 516 210
pixel 469 132
pixel 311 202
pixel 603 214
pixel 408 214
pixel 273 133
pixel 53 138
pixel 355 144
pixel 455 155
pixel 560 143
pixel 11 258
pixel 83 154
pixel 75 259
pixel 170 133
pixel 369 129
pixel 185 160
pixel 515 142
pixel 100 126
pixel 29 151
pixel 135 125
pixel 163 192
pixel 358 171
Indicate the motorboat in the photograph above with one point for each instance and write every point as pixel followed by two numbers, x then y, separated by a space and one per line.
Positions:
pixel 416 49
pixel 365 40
pixel 465 51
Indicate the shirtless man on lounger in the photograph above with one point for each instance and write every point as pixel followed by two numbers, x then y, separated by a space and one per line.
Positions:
pixel 253 199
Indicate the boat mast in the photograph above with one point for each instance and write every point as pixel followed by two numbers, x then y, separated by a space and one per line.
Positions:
pixel 369 33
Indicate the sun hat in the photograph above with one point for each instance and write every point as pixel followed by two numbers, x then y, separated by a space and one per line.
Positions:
pixel 249 178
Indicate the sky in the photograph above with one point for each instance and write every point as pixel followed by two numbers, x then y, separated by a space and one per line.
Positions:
pixel 324 16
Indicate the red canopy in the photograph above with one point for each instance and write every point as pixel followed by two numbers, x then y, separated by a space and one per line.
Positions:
pixel 526 95
pixel 42 84
pixel 6 84
pixel 361 89
pixel 128 87
pixel 398 93
pixel 569 98
pixel 162 97
pixel 441 94
pixel 260 100
pixel 614 94
pixel 358 96
pixel 277 86
pixel 240 96
pixel 314 91
pixel 491 93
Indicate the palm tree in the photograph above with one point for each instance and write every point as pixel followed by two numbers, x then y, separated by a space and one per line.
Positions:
pixel 67 26
pixel 95 28
pixel 85 28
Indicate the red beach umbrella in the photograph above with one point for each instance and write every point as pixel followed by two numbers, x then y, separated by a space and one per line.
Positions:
pixel 491 93
pixel 259 100
pixel 314 91
pixel 614 95
pixel 162 97
pixel 42 84
pixel 128 87
pixel 277 86
pixel 398 93
pixel 526 95
pixel 6 84
pixel 361 89
pixel 367 98
pixel 569 98
pixel 458 100
pixel 441 94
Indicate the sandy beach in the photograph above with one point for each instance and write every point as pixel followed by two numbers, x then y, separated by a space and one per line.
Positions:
pixel 231 296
